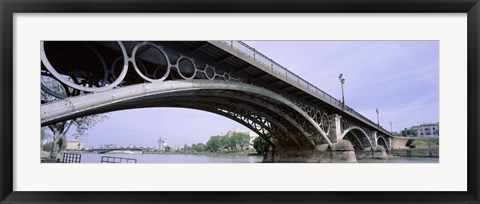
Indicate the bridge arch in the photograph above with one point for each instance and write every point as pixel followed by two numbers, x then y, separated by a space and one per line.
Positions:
pixel 382 141
pixel 366 140
pixel 176 93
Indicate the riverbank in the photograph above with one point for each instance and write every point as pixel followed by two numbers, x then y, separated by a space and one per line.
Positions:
pixel 414 152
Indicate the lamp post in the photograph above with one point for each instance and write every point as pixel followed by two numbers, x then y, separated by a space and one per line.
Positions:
pixel 342 81
pixel 391 129
pixel 378 119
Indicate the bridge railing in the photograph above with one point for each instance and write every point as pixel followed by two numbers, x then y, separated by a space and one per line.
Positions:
pixel 290 76
pixel 107 159
pixel 287 74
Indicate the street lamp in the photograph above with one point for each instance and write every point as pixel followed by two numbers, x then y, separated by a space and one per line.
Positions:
pixel 342 81
pixel 378 119
pixel 391 129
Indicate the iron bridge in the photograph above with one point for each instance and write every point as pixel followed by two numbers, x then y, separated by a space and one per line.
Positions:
pixel 228 78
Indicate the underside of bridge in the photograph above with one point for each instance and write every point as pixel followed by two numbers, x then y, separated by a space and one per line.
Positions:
pixel 85 78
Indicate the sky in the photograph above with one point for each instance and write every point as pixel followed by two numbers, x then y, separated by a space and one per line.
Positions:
pixel 400 78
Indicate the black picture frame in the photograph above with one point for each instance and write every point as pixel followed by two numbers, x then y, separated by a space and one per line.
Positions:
pixel 10 7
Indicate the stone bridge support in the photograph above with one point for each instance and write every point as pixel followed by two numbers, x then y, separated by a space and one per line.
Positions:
pixel 375 151
pixel 339 151
pixel 335 133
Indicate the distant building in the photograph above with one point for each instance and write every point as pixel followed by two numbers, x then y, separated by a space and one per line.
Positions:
pixel 74 144
pixel 161 144
pixel 427 130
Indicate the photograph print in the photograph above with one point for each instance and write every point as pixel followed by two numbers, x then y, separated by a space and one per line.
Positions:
pixel 239 102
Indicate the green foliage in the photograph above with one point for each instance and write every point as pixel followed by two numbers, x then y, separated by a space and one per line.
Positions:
pixel 409 142
pixel 259 144
pixel 84 123
pixel 199 147
pixel 186 148
pixel 240 139
pixel 47 147
pixel 168 149
pixel 221 143
pixel 214 144
pixel 225 142
pixel 419 144
pixel 409 132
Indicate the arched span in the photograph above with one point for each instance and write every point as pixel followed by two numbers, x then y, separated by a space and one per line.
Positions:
pixel 97 102
pixel 240 110
pixel 384 141
pixel 358 140
pixel 359 129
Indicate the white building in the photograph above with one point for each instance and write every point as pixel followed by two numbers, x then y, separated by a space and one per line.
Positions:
pixel 427 130
pixel 74 144
pixel 161 144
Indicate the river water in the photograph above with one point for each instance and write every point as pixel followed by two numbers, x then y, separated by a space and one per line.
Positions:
pixel 161 158
pixel 401 160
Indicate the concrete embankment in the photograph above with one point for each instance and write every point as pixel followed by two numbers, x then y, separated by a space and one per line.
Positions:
pixel 413 152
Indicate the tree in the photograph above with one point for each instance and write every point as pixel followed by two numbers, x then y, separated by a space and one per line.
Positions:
pixel 186 148
pixel 409 143
pixel 241 139
pixel 168 149
pixel 47 147
pixel 81 125
pixel 260 145
pixel 409 132
pixel 60 129
pixel 199 147
pixel 226 143
pixel 214 144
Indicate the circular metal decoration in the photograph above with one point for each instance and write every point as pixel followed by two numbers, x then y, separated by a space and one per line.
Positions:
pixel 69 83
pixel 210 72
pixel 310 111
pixel 318 117
pixel 56 88
pixel 226 76
pixel 165 56
pixel 54 93
pixel 325 124
pixel 111 72
pixel 179 68
pixel 104 65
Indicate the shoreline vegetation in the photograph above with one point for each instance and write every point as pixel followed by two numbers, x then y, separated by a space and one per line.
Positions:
pixel 224 153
